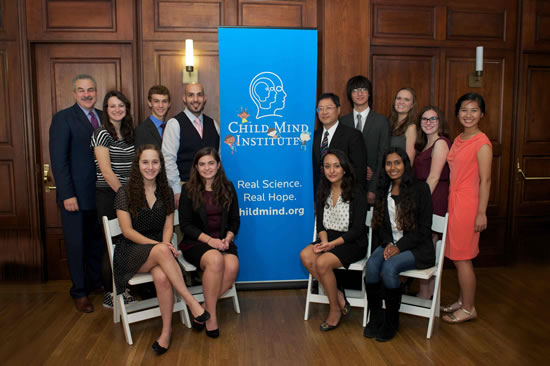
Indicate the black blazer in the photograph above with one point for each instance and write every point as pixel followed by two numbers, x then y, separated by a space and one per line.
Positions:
pixel 193 223
pixel 350 141
pixel 147 133
pixel 72 158
pixel 419 241
pixel 376 134
pixel 358 214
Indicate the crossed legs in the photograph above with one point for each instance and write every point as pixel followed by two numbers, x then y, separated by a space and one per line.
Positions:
pixel 219 272
pixel 322 266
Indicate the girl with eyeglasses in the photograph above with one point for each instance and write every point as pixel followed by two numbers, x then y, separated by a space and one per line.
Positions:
pixel 430 166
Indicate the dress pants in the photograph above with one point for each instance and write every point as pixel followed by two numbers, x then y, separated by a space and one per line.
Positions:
pixel 84 244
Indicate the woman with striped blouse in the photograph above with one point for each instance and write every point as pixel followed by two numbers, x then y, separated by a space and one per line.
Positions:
pixel 113 145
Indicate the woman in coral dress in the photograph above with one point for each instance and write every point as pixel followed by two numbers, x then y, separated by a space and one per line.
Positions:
pixel 470 161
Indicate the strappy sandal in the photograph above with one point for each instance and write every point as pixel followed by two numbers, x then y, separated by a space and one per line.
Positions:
pixel 455 319
pixel 452 307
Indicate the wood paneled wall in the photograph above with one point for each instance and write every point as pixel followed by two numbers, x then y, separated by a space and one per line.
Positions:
pixel 426 44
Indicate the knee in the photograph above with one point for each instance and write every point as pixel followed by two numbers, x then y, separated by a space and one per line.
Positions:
pixel 323 265
pixel 161 280
pixel 213 261
pixel 231 266
pixel 162 250
pixel 389 275
pixel 306 257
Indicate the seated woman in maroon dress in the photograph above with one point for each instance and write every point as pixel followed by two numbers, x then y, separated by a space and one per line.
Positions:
pixel 430 165
pixel 209 219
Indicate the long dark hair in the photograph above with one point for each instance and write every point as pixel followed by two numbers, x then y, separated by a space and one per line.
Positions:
pixel 406 207
pixel 221 186
pixel 473 97
pixel 442 127
pixel 136 189
pixel 394 117
pixel 347 181
pixel 126 125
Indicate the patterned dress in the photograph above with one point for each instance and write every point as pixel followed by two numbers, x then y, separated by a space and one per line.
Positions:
pixel 462 240
pixel 129 256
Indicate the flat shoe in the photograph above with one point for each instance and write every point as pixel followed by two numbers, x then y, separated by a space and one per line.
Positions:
pixel 346 310
pixel 452 307
pixel 326 327
pixel 460 316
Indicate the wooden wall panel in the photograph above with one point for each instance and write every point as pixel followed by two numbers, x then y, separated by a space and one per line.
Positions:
pixel 394 68
pixel 80 20
pixel 167 65
pixel 489 25
pixel 537 132
pixel 7 188
pixel 404 21
pixel 8 20
pixel 536 25
pixel 279 14
pixel 444 23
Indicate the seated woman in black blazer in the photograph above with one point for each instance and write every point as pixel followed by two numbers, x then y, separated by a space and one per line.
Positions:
pixel 402 237
pixel 209 219
pixel 341 211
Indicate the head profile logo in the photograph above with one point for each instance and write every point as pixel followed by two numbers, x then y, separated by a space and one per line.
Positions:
pixel 267 92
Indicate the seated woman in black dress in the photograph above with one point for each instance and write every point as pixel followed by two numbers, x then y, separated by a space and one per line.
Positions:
pixel 145 211
pixel 402 237
pixel 341 212
pixel 209 219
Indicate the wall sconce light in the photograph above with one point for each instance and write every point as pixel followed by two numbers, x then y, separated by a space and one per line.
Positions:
pixel 190 74
pixel 475 78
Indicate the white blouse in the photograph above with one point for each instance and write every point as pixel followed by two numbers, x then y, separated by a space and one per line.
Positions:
pixel 336 217
pixel 392 209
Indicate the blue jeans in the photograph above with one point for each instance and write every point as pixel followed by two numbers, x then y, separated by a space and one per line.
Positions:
pixel 388 269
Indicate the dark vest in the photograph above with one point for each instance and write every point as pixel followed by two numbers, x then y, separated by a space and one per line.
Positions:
pixel 191 142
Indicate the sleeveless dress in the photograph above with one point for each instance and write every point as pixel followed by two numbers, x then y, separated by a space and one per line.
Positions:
pixel 422 165
pixel 462 240
pixel 129 256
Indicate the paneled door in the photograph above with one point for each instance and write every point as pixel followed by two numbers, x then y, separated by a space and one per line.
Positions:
pixel 532 163
pixel 54 67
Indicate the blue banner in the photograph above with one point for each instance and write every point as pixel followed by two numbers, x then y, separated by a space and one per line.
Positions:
pixel 268 80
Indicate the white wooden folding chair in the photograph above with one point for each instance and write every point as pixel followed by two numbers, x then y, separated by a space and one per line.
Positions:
pixel 425 307
pixel 356 298
pixel 138 310
pixel 197 291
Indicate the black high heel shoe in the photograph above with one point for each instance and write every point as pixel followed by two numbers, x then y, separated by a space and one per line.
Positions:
pixel 158 349
pixel 213 333
pixel 203 317
pixel 196 325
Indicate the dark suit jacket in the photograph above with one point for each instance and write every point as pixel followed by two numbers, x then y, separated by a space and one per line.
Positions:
pixel 147 133
pixel 350 141
pixel 376 133
pixel 193 223
pixel 418 241
pixel 72 158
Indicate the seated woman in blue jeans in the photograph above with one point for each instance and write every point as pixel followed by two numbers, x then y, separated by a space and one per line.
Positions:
pixel 402 237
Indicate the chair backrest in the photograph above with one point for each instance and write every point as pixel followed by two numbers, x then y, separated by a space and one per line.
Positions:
pixel 176 218
pixel 439 225
pixel 368 222
pixel 112 229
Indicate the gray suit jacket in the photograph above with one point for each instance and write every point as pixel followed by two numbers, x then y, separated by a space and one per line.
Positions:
pixel 147 133
pixel 376 134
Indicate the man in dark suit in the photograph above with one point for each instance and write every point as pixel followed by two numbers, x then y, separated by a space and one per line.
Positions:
pixel 374 126
pixel 150 131
pixel 75 175
pixel 338 136
pixel 184 135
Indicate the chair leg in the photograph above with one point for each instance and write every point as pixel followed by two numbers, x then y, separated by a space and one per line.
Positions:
pixel 124 316
pixel 116 308
pixel 235 299
pixel 309 282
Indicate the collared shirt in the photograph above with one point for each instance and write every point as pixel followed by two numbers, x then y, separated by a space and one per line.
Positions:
pixel 87 113
pixel 170 147
pixel 336 217
pixel 157 123
pixel 330 133
pixel 364 116
pixel 192 117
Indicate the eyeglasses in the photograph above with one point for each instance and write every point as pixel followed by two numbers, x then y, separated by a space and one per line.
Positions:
pixel 431 119
pixel 328 109
pixel 358 90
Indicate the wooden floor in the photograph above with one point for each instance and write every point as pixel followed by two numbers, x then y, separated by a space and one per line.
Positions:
pixel 39 326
